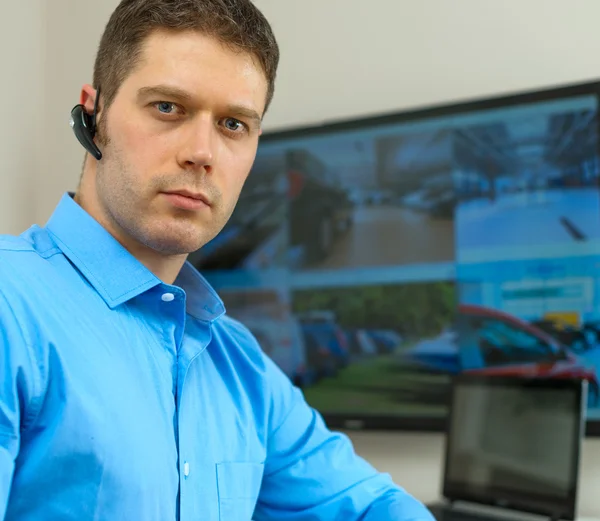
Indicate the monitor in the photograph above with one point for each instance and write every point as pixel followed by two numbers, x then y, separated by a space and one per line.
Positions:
pixel 515 442
pixel 377 257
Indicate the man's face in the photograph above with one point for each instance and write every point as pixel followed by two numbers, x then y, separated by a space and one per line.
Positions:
pixel 186 120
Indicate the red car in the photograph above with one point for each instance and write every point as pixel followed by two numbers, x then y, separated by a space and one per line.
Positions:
pixel 510 346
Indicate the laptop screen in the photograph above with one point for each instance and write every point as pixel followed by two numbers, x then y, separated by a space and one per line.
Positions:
pixel 515 443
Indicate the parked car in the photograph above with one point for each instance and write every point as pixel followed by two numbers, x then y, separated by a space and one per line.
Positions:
pixel 303 373
pixel 436 196
pixel 319 358
pixel 439 354
pixel 488 341
pixel 360 343
pixel 511 346
pixel 567 334
pixel 386 340
pixel 322 329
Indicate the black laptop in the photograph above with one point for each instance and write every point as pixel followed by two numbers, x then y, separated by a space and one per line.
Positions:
pixel 513 446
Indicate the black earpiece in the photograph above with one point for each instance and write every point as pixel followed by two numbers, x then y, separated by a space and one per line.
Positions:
pixel 84 127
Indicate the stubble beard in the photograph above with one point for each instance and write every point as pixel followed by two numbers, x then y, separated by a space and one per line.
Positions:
pixel 129 207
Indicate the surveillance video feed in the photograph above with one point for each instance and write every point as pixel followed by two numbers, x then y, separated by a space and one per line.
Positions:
pixel 375 261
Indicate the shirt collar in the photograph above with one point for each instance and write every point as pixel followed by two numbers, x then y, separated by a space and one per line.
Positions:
pixel 114 272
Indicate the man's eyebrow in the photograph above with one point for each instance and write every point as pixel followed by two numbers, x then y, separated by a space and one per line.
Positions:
pixel 164 90
pixel 245 112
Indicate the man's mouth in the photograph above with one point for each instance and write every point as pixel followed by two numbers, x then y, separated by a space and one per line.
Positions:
pixel 187 200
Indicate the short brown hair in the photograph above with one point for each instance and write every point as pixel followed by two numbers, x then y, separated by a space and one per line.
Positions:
pixel 235 23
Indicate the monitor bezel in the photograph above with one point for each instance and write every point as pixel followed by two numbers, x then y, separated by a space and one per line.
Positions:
pixel 422 423
pixel 539 504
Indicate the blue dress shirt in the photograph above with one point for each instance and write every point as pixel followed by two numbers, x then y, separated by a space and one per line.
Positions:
pixel 123 398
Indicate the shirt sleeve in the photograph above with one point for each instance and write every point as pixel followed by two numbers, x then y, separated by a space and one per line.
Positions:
pixel 16 391
pixel 312 473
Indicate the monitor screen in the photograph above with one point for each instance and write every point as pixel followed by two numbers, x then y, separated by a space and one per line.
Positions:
pixel 515 443
pixel 396 251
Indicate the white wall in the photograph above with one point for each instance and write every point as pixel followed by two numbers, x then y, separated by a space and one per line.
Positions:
pixel 351 57
pixel 74 29
pixel 340 58
pixel 22 118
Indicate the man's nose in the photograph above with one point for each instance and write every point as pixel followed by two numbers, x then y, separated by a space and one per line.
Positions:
pixel 197 150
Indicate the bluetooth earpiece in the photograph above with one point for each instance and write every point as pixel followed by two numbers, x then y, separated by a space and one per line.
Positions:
pixel 84 127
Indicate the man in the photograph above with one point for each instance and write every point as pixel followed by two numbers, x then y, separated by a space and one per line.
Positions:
pixel 126 392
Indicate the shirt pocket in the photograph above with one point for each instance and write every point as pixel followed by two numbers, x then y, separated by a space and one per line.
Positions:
pixel 238 488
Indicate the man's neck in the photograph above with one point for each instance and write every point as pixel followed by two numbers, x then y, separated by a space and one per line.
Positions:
pixel 165 267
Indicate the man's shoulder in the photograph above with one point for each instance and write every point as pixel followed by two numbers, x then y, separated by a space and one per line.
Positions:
pixel 14 243
pixel 236 331
pixel 15 255
pixel 24 261
pixel 239 341
pixel 32 245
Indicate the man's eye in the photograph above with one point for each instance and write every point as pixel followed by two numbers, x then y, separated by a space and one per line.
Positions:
pixel 233 125
pixel 165 107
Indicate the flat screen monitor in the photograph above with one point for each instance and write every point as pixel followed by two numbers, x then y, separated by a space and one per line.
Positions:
pixel 376 258
pixel 515 443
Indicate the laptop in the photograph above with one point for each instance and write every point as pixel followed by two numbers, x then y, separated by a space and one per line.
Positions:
pixel 513 446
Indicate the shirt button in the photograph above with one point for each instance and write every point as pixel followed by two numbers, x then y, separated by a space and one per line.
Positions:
pixel 168 297
pixel 186 469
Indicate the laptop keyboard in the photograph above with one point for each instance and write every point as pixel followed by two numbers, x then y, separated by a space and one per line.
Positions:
pixel 444 513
